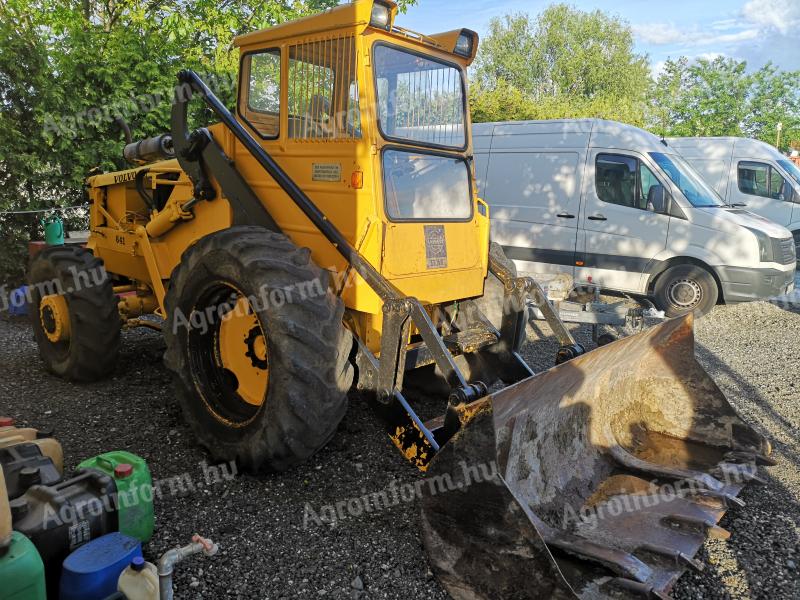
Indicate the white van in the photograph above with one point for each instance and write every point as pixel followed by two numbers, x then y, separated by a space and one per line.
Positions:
pixel 614 206
pixel 748 173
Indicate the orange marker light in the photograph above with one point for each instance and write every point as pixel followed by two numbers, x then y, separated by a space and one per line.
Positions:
pixel 357 180
pixel 579 263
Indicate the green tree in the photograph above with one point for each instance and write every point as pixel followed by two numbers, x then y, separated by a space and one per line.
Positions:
pixel 67 67
pixel 722 97
pixel 564 63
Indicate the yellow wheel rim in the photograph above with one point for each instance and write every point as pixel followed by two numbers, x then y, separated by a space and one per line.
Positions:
pixel 54 316
pixel 243 352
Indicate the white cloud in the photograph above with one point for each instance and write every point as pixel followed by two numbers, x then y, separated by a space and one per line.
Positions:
pixel 758 32
pixel 780 15
pixel 659 33
pixel 665 34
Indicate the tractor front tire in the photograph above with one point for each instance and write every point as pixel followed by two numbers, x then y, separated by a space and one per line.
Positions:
pixel 258 350
pixel 74 313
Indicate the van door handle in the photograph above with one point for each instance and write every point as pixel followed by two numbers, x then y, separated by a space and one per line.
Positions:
pixel 565 216
pixel 598 218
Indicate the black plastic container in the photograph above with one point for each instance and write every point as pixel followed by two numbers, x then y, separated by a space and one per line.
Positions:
pixel 60 518
pixel 25 466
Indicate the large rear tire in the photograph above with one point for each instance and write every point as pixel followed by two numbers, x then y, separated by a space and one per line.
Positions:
pixel 258 350
pixel 74 313
pixel 685 288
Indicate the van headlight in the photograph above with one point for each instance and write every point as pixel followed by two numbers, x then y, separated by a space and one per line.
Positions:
pixel 381 16
pixel 764 246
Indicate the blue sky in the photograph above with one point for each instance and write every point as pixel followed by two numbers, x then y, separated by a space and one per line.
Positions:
pixel 752 30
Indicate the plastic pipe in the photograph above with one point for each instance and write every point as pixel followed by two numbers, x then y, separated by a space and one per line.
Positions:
pixel 167 562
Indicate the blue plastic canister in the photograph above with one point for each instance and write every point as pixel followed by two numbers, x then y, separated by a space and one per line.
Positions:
pixel 92 571
pixel 18 302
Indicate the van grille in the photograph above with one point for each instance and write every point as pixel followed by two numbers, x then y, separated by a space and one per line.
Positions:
pixel 784 251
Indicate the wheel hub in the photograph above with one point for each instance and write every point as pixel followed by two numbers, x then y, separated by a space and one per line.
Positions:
pixel 54 316
pixel 685 293
pixel 243 352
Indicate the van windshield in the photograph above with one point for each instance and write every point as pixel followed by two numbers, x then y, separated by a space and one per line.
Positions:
pixel 791 169
pixel 697 192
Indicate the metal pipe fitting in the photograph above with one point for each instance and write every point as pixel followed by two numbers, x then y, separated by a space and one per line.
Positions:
pixel 167 562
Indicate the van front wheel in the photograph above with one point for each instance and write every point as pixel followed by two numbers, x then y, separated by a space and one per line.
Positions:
pixel 685 288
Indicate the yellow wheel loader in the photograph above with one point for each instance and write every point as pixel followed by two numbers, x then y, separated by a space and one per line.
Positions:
pixel 328 229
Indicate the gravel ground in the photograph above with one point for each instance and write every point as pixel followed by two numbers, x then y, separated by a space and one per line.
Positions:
pixel 752 351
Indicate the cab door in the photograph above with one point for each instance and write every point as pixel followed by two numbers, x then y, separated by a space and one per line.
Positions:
pixel 763 189
pixel 624 220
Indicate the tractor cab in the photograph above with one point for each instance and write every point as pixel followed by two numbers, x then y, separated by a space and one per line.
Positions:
pixel 372 120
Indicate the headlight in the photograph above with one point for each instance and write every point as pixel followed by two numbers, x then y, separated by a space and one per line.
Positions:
pixel 464 44
pixel 764 246
pixel 381 16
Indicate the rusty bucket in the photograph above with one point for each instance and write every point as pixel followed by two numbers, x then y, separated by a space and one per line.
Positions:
pixel 600 478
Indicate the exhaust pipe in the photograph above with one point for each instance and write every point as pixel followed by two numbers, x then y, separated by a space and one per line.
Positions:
pixel 150 150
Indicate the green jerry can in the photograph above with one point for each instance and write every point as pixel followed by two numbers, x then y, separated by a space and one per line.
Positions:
pixel 53 230
pixel 134 491
pixel 21 571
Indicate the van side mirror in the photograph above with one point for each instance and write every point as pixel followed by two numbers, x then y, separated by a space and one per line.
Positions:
pixel 658 200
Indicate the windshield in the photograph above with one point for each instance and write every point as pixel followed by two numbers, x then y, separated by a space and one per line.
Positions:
pixel 791 169
pixel 697 192
pixel 419 99
pixel 426 187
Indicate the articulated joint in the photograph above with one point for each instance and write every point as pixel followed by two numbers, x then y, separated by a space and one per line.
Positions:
pixel 465 395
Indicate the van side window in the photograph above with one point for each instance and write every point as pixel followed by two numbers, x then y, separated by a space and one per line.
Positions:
pixel 779 188
pixel 761 179
pixel 626 181
pixel 754 179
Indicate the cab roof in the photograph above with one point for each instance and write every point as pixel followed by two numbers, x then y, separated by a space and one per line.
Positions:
pixel 355 15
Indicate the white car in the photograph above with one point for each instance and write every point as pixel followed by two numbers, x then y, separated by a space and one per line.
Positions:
pixel 748 173
pixel 614 206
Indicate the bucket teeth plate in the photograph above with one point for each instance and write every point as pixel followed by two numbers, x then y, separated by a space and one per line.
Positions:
pixel 600 478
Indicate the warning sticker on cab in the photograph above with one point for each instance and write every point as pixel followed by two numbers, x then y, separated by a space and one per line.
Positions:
pixel 326 172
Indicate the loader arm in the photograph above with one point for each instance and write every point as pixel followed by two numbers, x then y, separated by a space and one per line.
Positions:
pixel 201 157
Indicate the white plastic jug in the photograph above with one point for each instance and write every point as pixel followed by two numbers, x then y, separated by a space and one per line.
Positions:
pixel 139 581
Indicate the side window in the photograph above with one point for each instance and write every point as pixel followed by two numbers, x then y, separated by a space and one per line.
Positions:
pixel 615 177
pixel 261 104
pixel 323 90
pixel 754 179
pixel 779 188
pixel 649 187
pixel 627 181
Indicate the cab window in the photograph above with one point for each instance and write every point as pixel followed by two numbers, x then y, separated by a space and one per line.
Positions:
pixel 761 179
pixel 627 181
pixel 261 82
pixel 323 90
